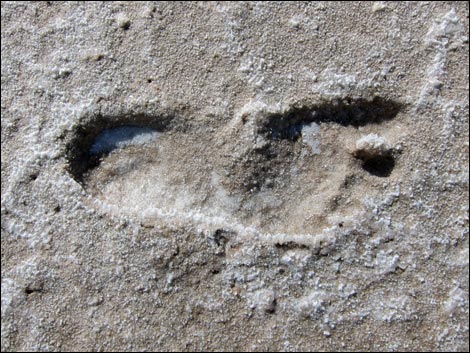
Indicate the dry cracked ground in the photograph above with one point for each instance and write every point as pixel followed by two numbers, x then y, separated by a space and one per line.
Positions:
pixel 234 176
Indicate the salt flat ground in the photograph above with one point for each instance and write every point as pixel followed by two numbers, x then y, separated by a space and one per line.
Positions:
pixel 234 176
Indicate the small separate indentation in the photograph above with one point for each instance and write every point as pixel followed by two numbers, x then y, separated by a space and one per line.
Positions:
pixel 35 287
pixel 381 166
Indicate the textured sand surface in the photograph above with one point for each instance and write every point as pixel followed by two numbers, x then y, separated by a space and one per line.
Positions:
pixel 234 176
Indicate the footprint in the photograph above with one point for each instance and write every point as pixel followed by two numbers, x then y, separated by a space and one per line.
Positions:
pixel 277 173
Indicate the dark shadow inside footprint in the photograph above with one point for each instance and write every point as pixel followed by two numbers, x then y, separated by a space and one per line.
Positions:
pixel 345 112
pixel 99 135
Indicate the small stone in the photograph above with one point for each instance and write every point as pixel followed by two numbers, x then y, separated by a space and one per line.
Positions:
pixel 264 300
pixel 370 146
pixel 97 57
pixel 295 22
pixel 379 6
pixel 123 21
pixel 95 301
